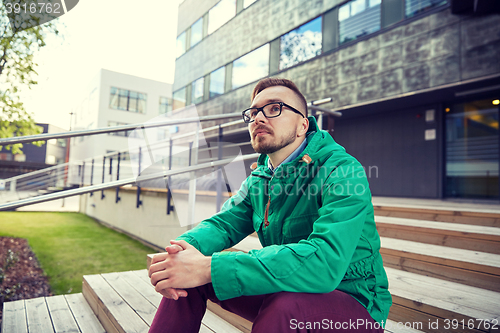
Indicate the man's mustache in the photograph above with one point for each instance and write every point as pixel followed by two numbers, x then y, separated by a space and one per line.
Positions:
pixel 261 127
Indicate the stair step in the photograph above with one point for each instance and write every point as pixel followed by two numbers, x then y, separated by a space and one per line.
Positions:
pixel 469 237
pixel 426 299
pixel 477 269
pixel 62 313
pixel 127 302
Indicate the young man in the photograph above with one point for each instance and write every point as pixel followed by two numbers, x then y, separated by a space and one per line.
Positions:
pixel 308 200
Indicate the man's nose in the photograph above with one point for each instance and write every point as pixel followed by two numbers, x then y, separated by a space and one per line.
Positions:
pixel 260 117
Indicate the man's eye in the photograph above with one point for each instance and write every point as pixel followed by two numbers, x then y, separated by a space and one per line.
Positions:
pixel 253 113
pixel 275 108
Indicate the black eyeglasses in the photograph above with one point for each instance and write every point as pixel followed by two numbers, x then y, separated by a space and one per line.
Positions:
pixel 271 110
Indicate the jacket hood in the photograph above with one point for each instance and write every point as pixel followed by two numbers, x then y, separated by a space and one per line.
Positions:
pixel 320 146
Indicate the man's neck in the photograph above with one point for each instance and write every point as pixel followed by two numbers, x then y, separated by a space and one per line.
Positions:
pixel 279 156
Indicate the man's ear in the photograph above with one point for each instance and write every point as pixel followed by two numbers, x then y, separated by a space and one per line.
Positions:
pixel 303 127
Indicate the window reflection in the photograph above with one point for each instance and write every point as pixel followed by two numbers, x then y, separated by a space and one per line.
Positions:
pixel 196 32
pixel 181 44
pixel 414 7
pixel 251 66
pixel 358 18
pixel 122 99
pixel 220 14
pixel 165 105
pixel 301 44
pixel 197 91
pixel 217 82
pixel 179 99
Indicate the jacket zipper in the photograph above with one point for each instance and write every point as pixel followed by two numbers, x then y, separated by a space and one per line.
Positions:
pixel 266 213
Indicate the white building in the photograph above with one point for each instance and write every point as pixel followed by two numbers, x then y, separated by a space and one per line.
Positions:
pixel 115 99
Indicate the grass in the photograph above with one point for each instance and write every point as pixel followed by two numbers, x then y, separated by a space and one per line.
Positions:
pixel 70 245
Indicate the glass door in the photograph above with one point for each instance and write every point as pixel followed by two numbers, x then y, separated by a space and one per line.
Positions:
pixel 472 150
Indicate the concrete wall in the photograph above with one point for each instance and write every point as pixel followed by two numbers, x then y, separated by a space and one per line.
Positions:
pixel 149 222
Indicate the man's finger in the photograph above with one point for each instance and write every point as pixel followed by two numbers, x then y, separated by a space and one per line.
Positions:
pixel 183 244
pixel 172 249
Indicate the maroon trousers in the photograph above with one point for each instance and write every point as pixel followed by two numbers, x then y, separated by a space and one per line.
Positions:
pixel 279 312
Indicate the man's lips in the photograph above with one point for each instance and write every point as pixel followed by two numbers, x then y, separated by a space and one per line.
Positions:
pixel 260 132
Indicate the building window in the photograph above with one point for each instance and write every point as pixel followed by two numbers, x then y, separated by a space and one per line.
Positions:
pixel 413 7
pixel 165 105
pixel 179 99
pixel 127 100
pixel 247 3
pixel 217 82
pixel 301 44
pixel 197 91
pixel 181 44
pixel 196 32
pixel 358 18
pixel 220 14
pixel 251 67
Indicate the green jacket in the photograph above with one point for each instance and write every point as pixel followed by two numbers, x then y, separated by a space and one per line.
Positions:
pixel 318 233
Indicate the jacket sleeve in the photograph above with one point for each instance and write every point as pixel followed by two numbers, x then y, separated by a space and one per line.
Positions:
pixel 315 265
pixel 226 228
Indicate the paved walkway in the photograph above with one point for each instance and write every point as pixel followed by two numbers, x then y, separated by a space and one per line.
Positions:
pixel 70 204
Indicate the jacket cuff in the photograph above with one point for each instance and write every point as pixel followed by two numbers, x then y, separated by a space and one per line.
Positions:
pixel 223 275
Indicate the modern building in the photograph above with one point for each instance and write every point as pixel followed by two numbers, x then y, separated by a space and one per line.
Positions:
pixel 114 99
pixel 417 81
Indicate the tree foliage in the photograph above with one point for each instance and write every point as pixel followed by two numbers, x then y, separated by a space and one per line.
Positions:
pixel 18 47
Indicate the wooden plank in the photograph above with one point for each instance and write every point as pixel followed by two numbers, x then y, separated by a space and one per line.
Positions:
pixel 143 274
pixel 474 260
pixel 98 308
pixel 248 243
pixel 424 321
pixel 62 318
pixel 14 317
pixel 38 316
pixel 239 322
pixel 85 318
pixel 145 288
pixel 131 296
pixel 474 231
pixel 122 316
pixel 426 265
pixel 442 298
pixel 402 327
pixel 204 329
pixel 217 324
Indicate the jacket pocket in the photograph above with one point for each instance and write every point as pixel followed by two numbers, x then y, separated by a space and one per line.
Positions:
pixel 298 228
pixel 283 260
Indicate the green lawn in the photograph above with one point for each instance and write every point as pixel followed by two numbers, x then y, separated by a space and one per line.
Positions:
pixel 70 245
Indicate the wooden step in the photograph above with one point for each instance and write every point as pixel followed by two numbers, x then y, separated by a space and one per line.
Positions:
pixel 487 217
pixel 127 302
pixel 477 269
pixel 469 237
pixel 423 299
pixel 63 313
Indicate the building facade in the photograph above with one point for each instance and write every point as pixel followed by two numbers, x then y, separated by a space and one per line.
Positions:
pixel 417 81
pixel 114 99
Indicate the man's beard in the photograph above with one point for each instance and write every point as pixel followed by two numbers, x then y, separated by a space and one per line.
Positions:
pixel 262 147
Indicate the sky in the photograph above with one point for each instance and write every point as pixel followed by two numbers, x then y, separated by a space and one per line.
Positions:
pixel 131 37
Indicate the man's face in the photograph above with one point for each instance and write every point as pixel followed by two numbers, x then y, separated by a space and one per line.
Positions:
pixel 270 135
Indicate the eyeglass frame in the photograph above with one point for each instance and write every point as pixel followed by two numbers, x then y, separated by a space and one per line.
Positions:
pixel 261 109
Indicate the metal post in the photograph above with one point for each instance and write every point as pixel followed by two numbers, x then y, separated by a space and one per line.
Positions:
pixel 138 201
pixel 169 191
pixel 13 185
pixel 83 174
pixel 92 176
pixel 103 172
pixel 218 201
pixel 193 159
pixel 118 178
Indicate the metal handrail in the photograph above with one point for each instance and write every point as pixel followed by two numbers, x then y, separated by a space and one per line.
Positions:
pixel 61 135
pixel 117 183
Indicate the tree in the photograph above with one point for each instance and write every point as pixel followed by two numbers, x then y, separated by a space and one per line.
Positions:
pixel 20 38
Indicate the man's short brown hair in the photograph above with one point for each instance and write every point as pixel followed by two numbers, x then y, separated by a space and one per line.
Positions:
pixel 271 82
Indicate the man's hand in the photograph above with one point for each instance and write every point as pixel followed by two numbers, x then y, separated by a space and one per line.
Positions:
pixel 168 292
pixel 182 267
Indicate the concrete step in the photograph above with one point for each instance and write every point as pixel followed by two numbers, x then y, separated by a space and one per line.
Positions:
pixel 462 236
